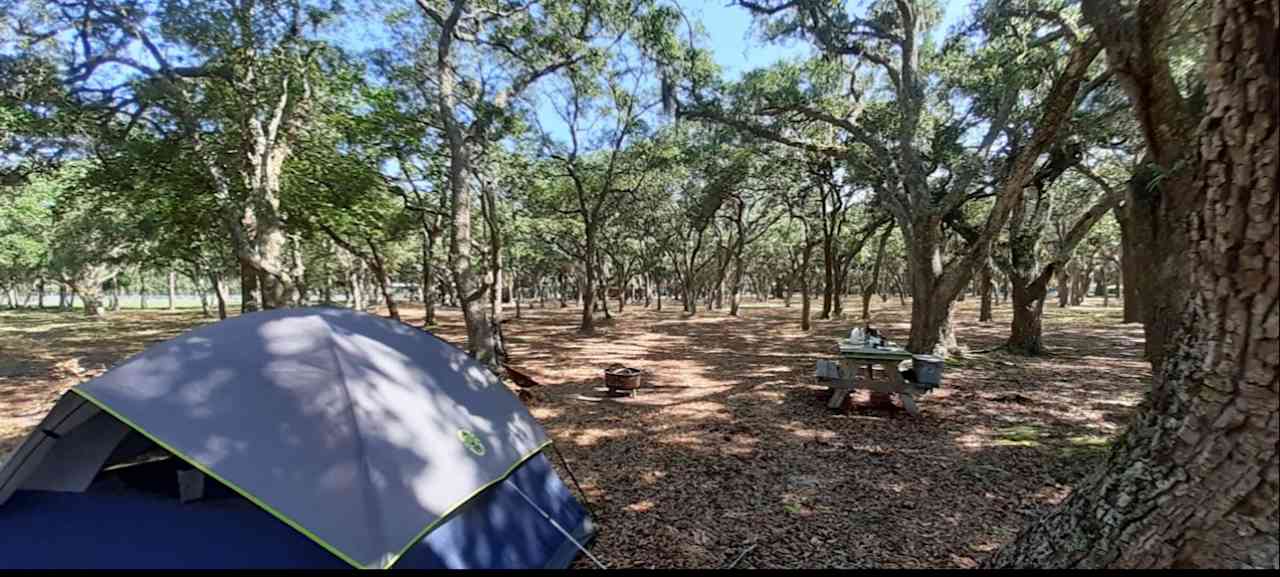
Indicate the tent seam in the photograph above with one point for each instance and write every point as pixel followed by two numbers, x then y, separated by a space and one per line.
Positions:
pixel 359 439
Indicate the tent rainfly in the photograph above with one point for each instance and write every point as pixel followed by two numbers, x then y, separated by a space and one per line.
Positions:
pixel 295 438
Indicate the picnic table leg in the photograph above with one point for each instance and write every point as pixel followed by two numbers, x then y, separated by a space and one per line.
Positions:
pixel 880 399
pixel 837 397
pixel 909 404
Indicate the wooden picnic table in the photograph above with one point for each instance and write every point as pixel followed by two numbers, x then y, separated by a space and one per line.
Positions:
pixel 856 368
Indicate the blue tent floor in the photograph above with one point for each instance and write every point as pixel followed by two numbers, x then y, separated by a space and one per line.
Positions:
pixel 45 529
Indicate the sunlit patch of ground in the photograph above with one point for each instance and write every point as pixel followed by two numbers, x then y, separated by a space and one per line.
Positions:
pixel 728 444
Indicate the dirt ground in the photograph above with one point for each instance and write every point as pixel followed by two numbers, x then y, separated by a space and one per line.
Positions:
pixel 728 449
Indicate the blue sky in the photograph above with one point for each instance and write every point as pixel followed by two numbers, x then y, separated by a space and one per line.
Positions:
pixel 737 48
pixel 737 51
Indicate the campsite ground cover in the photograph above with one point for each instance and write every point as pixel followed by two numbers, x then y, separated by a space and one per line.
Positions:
pixel 728 446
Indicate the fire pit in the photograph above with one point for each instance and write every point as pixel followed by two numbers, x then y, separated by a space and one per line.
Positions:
pixel 621 379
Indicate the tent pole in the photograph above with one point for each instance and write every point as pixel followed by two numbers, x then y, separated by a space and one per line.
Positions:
pixel 557 526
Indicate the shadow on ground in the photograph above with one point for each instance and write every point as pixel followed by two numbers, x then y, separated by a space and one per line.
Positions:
pixel 729 446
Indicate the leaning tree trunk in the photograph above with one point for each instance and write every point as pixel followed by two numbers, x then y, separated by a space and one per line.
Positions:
pixel 219 291
pixel 1195 481
pixel 384 282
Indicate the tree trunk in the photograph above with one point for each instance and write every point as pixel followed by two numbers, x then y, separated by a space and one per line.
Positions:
pixel 588 323
pixel 220 292
pixel 115 293
pixel 1130 271
pixel 1064 286
pixel 902 290
pixel 1080 282
pixel 92 304
pixel 250 293
pixel 1028 312
pixel 495 253
pixel 735 286
pixel 806 297
pixel 603 297
pixel 173 289
pixel 984 291
pixel 470 292
pixel 875 274
pixel 297 274
pixel 931 331
pixel 690 299
pixel 837 297
pixel 828 276
pixel 384 282
pixel 1195 481
pixel 1102 282
pixel 515 292
pixel 355 293
pixel 197 282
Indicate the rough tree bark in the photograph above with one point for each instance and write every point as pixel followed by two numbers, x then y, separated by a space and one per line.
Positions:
pixel 1195 481
pixel 985 288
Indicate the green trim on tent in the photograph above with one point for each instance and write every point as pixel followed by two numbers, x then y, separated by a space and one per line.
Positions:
pixel 297 526
pixel 442 518
pixel 247 495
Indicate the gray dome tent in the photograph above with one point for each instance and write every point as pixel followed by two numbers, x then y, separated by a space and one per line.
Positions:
pixel 378 444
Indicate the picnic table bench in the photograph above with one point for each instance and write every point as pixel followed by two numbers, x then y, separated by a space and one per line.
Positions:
pixel 875 368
